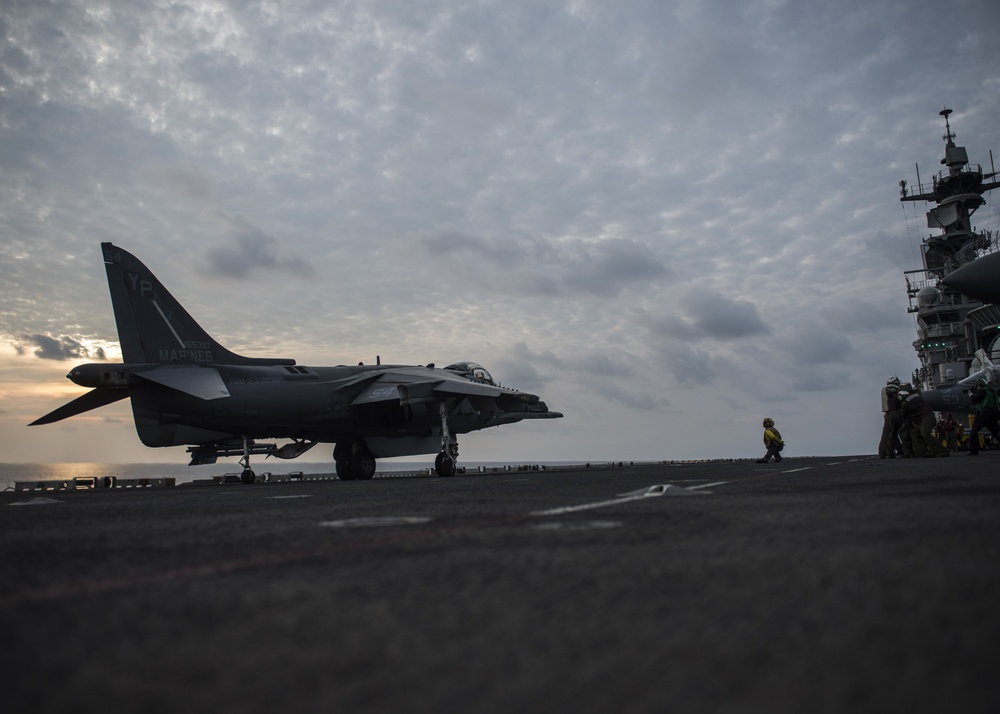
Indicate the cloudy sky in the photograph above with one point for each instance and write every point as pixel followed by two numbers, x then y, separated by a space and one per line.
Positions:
pixel 669 219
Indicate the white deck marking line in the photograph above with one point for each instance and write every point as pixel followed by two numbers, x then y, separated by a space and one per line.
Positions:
pixel 159 310
pixel 376 522
pixel 723 483
pixel 651 492
pixel 599 504
pixel 709 485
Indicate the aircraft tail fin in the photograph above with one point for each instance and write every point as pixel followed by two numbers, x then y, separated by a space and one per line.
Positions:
pixel 152 326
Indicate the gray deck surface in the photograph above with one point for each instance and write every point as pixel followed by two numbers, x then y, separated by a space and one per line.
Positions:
pixel 815 585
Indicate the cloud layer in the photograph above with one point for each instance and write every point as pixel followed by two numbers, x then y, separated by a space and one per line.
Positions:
pixel 667 218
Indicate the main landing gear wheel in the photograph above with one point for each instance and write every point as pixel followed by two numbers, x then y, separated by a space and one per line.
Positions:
pixel 354 461
pixel 248 476
pixel 444 464
pixel 342 456
pixel 363 464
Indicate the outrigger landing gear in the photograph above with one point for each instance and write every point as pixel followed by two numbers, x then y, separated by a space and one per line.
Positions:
pixel 354 461
pixel 446 462
pixel 248 476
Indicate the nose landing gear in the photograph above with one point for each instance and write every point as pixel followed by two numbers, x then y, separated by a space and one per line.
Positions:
pixel 355 461
pixel 248 476
pixel 446 463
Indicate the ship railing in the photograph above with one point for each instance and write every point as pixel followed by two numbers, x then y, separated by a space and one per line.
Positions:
pixel 927 190
pixel 945 174
pixel 981 243
pixel 917 280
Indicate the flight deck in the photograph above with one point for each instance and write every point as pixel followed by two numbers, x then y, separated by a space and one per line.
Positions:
pixel 817 584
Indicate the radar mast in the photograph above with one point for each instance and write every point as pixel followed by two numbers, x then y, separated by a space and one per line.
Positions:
pixel 950 326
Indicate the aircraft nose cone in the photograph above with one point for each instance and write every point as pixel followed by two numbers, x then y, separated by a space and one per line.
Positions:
pixel 979 279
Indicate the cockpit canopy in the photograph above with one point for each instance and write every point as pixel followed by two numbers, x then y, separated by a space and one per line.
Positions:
pixel 472 370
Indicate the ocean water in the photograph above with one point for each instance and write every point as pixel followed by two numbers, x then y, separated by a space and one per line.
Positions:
pixel 9 473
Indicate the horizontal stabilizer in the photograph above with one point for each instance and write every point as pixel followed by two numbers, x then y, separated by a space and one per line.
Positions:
pixel 93 399
pixel 202 382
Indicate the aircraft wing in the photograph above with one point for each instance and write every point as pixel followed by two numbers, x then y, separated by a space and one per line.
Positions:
pixel 410 388
pixel 473 389
pixel 405 388
pixel 389 388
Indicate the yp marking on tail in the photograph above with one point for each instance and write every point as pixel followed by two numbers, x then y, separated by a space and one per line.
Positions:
pixel 142 286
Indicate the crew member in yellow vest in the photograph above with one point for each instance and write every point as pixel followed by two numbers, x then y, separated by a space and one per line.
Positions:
pixel 773 442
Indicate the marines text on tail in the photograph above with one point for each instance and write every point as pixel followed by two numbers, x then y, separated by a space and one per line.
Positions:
pixel 186 389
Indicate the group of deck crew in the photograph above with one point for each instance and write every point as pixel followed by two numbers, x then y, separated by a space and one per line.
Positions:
pixel 912 430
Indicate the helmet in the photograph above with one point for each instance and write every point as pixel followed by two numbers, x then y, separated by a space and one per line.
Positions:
pixel 893 380
pixel 891 388
pixel 768 423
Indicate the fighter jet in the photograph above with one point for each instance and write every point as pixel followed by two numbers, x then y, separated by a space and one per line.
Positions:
pixel 187 389
pixel 955 397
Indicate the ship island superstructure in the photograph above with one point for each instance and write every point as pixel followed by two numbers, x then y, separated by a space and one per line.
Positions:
pixel 951 327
